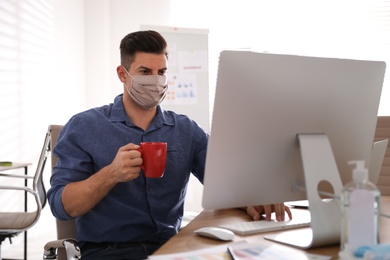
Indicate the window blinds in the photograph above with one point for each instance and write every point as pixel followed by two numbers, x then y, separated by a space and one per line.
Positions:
pixel 26 44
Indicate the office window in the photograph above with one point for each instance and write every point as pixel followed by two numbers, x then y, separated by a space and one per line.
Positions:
pixel 26 46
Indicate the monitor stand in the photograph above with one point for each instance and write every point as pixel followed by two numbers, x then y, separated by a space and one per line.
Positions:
pixel 318 165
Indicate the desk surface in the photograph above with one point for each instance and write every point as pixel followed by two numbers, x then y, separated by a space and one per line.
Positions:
pixel 185 240
pixel 14 166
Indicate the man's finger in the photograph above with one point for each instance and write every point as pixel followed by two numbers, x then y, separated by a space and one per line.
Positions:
pixel 268 211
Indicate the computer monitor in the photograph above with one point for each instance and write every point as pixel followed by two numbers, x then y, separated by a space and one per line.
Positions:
pixel 281 122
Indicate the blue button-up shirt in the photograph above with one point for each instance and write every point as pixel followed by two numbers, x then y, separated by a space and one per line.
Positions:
pixel 141 210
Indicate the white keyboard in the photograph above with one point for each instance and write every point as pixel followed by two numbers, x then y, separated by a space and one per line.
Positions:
pixel 254 227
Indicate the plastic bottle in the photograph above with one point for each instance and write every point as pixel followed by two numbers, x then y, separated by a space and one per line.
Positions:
pixel 360 209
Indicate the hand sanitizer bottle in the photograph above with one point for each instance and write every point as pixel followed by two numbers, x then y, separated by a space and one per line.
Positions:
pixel 360 209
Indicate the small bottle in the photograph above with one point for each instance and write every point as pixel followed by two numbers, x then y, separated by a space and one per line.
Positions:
pixel 360 211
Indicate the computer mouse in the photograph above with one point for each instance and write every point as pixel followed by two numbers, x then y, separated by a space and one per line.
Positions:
pixel 215 233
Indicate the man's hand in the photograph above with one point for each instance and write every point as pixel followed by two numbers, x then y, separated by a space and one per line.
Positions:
pixel 280 209
pixel 126 165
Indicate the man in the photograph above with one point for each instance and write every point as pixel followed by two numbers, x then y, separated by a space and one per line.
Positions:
pixel 119 213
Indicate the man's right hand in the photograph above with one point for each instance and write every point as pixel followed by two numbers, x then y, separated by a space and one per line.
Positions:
pixel 126 165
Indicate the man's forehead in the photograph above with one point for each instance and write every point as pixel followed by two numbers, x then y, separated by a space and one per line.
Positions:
pixel 140 56
pixel 149 61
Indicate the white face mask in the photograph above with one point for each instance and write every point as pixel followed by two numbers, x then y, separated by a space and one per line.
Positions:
pixel 147 91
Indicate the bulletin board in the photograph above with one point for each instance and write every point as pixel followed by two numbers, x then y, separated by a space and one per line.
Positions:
pixel 188 76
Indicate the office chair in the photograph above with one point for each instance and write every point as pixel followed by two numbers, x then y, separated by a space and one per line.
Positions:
pixel 14 222
pixel 65 247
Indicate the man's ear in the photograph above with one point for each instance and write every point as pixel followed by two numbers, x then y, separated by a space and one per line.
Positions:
pixel 120 71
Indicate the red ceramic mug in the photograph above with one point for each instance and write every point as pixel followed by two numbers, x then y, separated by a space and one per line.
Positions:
pixel 154 156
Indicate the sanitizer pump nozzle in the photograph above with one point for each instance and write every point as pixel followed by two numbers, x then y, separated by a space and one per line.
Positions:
pixel 360 173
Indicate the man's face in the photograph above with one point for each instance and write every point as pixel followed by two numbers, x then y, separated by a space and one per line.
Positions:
pixel 143 64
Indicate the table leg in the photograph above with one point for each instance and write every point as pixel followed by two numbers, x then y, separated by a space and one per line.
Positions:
pixel 25 209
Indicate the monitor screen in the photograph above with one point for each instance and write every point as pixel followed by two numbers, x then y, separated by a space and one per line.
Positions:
pixel 263 101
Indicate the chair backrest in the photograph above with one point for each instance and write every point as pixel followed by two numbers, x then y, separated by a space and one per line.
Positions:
pixel 67 228
pixel 383 132
pixel 38 184
pixel 54 133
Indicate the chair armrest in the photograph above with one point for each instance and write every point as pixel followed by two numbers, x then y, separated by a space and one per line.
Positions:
pixel 25 189
pixel 70 245
pixel 22 188
pixel 16 176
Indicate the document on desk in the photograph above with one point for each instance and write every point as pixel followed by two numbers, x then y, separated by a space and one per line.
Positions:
pixel 244 251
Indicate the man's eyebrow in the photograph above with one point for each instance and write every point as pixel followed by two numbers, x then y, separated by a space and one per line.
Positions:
pixel 144 68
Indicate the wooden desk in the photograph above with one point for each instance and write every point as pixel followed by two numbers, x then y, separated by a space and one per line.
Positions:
pixel 185 240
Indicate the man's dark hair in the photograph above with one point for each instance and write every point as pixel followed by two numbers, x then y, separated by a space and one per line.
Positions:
pixel 141 41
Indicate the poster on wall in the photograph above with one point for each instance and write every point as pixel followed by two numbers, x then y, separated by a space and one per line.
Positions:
pixel 183 82
pixel 193 61
pixel 182 89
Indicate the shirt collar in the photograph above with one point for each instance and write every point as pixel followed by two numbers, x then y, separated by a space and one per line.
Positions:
pixel 118 114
